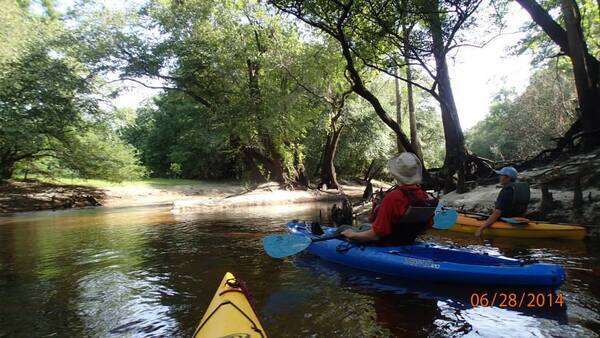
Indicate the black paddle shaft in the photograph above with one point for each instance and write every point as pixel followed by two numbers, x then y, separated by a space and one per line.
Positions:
pixel 326 238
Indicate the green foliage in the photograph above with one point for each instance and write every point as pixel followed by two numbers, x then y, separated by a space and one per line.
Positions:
pixel 99 153
pixel 543 48
pixel 175 140
pixel 15 29
pixel 366 139
pixel 50 107
pixel 243 85
pixel 521 126
pixel 431 135
pixel 37 110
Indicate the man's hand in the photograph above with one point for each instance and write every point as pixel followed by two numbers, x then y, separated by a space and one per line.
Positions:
pixel 348 233
pixel 479 231
pixel 488 223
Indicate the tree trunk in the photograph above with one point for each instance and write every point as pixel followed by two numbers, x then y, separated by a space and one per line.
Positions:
pixel 7 164
pixel 414 139
pixel 252 167
pixel 587 70
pixel 398 111
pixel 272 161
pixel 587 95
pixel 547 201
pixel 301 176
pixel 6 171
pixel 253 86
pixel 455 144
pixel 273 166
pixel 275 162
pixel 359 87
pixel 328 174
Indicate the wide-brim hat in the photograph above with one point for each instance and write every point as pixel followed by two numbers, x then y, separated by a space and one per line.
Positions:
pixel 406 168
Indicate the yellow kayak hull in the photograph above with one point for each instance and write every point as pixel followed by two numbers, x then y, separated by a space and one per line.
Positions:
pixel 229 314
pixel 532 229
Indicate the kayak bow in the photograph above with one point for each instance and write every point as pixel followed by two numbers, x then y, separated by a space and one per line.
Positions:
pixel 230 313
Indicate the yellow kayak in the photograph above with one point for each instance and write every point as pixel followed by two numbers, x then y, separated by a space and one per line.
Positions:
pixel 529 229
pixel 229 314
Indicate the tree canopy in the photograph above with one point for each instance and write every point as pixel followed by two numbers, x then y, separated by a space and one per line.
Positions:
pixel 297 92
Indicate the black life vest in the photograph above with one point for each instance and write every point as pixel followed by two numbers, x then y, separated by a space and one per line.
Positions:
pixel 416 220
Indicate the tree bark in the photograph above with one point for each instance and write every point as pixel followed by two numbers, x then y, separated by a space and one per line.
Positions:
pixel 587 95
pixel 7 164
pixel 586 67
pixel 577 194
pixel 414 139
pixel 328 173
pixel 6 170
pixel 252 167
pixel 273 166
pixel 301 178
pixel 398 111
pixel 456 153
pixel 273 161
pixel 547 201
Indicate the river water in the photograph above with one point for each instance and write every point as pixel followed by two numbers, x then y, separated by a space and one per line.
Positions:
pixel 143 272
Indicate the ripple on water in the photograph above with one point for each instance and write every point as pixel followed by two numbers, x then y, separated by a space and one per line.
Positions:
pixel 125 304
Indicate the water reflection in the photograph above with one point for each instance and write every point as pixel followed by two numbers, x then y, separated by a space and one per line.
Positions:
pixel 149 272
pixel 402 304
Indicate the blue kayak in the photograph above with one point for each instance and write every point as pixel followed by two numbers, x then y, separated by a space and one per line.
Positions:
pixel 433 263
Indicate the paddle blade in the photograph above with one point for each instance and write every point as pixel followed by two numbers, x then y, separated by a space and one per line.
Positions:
pixel 515 221
pixel 280 246
pixel 444 219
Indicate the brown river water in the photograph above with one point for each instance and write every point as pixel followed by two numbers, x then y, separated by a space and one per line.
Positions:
pixel 147 272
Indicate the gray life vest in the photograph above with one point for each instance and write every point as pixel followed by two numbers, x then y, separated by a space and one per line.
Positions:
pixel 522 193
pixel 521 197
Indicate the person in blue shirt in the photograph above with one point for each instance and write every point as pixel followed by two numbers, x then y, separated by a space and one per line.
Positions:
pixel 510 202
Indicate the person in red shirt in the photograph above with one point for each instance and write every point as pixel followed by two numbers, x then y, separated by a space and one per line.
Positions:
pixel 407 171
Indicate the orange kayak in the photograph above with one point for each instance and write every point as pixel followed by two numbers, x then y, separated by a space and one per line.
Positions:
pixel 529 229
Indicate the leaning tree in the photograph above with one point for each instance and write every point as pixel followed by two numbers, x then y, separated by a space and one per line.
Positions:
pixel 393 34
pixel 586 68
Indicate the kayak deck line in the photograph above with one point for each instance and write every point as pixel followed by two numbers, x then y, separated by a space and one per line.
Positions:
pixel 230 313
pixel 227 302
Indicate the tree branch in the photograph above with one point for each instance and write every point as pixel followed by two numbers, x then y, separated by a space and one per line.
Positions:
pixel 190 93
pixel 416 84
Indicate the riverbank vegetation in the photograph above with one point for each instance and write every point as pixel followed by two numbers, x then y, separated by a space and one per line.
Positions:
pixel 297 92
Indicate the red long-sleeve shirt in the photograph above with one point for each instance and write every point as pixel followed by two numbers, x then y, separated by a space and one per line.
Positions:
pixel 393 207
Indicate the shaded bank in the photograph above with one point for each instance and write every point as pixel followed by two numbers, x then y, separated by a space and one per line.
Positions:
pixel 17 196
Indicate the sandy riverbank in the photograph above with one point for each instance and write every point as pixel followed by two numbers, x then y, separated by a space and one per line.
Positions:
pixel 17 196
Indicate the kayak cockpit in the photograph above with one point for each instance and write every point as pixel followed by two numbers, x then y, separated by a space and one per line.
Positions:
pixel 421 250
